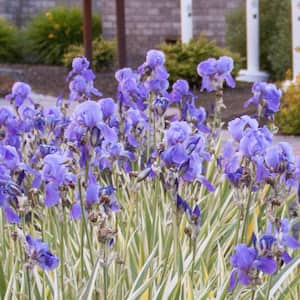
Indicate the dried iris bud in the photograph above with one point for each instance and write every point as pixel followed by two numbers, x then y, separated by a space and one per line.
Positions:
pixel 95 137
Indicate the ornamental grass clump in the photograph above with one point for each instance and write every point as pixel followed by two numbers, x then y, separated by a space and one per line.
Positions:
pixel 140 197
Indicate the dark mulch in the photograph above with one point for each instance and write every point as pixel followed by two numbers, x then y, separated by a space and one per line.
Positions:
pixel 50 80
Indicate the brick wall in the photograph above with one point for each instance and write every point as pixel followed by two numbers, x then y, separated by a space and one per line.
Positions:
pixel 20 11
pixel 148 23
pixel 209 17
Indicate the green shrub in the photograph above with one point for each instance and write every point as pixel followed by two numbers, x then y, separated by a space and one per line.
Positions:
pixel 103 54
pixel 288 119
pixel 182 59
pixel 9 47
pixel 50 34
pixel 275 35
pixel 236 35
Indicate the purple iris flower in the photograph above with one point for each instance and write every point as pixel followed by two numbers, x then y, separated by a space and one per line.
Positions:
pixel 88 114
pixel 277 160
pixel 9 157
pixel 230 158
pixel 236 177
pixel 47 149
pixel 38 253
pixel 88 117
pixel 214 72
pixel 246 263
pixel 175 156
pixel 124 74
pixel 31 118
pixel 185 153
pixel 262 172
pixel 196 214
pixel 114 153
pixel 154 74
pixel 108 107
pixel 181 92
pixel 53 116
pixel 82 89
pixel 242 262
pixel 238 126
pixel 194 220
pixel 159 83
pixel 20 93
pixel 178 133
pixel 9 191
pixel 82 84
pixel 11 127
pixel 75 212
pixel 268 96
pixel 92 191
pixel 271 246
pixel 6 115
pixel 176 137
pixel 136 123
pixel 280 158
pixel 131 91
pixel 79 64
pixel 282 239
pixel 182 205
pixel 55 174
pixel 54 169
pixel 56 121
pixel 197 116
pixel 155 58
pixel 255 141
pixel 108 199
pixel 160 105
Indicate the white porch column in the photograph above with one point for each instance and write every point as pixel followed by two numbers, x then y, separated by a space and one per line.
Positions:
pixel 252 73
pixel 186 13
pixel 296 37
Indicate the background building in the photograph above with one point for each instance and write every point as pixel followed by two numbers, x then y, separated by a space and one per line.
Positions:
pixel 148 23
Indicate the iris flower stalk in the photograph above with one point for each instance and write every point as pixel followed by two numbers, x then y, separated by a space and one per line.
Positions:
pixel 246 212
pixel 105 270
pixel 62 234
pixel 176 233
pixel 84 227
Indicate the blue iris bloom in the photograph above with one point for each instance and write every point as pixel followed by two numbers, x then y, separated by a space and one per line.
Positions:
pixel 38 252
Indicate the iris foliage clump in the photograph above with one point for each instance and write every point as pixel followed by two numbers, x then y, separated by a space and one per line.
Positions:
pixel 140 197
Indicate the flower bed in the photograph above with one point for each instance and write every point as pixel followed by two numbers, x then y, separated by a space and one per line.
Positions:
pixel 118 201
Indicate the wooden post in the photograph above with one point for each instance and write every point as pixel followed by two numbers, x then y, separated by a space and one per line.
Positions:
pixel 121 33
pixel 87 29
